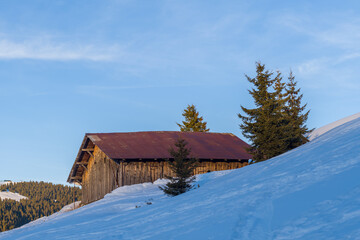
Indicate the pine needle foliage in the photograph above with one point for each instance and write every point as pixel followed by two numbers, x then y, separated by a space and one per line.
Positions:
pixel 183 167
pixel 296 127
pixel 193 122
pixel 276 124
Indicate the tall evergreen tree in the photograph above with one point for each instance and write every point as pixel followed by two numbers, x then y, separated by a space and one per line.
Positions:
pixel 282 120
pixel 261 125
pixel 183 167
pixel 192 123
pixel 296 127
pixel 276 124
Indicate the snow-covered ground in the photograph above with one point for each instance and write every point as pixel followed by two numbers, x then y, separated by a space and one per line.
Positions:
pixel 67 208
pixel 70 207
pixel 312 192
pixel 319 131
pixel 11 195
pixel 5 182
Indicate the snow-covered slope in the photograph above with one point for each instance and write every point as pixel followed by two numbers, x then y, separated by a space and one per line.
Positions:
pixel 4 182
pixel 11 195
pixel 312 192
pixel 319 131
pixel 67 208
pixel 70 207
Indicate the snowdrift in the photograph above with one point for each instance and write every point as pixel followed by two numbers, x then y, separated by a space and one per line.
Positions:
pixel 312 192
pixel 320 131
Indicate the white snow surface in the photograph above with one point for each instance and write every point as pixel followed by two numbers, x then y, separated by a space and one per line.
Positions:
pixel 67 208
pixel 320 131
pixel 6 183
pixel 11 195
pixel 311 192
pixel 70 207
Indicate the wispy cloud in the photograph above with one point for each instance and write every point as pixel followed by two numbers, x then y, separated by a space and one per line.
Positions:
pixel 313 66
pixel 317 65
pixel 330 72
pixel 332 41
pixel 342 33
pixel 106 88
pixel 41 49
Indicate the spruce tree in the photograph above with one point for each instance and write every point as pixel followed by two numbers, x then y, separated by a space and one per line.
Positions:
pixel 192 123
pixel 276 124
pixel 261 124
pixel 183 167
pixel 296 127
pixel 282 121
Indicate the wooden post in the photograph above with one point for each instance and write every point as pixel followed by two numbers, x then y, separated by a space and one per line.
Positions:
pixel 74 195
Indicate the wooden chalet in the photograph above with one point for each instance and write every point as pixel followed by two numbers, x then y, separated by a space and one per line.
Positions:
pixel 109 160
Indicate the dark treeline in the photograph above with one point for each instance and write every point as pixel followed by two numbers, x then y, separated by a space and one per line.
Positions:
pixel 44 199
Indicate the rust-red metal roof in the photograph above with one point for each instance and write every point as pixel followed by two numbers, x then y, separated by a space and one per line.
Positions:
pixel 156 145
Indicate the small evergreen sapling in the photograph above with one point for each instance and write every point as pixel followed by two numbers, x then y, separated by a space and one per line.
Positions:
pixel 193 122
pixel 183 167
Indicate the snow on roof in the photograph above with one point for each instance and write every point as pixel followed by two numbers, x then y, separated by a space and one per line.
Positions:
pixel 320 131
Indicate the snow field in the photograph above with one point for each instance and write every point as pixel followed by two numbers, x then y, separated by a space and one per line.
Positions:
pixel 311 192
pixel 11 196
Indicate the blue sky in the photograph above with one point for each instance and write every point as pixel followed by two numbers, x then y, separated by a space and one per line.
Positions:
pixel 71 67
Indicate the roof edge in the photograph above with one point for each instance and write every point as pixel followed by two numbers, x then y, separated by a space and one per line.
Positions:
pixel 162 132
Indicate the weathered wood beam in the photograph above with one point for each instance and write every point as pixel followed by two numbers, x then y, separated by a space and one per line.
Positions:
pixel 84 166
pixel 82 163
pixel 87 149
pixel 90 153
pixel 78 182
pixel 76 178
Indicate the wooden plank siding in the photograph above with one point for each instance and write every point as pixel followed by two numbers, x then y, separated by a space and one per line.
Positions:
pixel 100 177
pixel 104 174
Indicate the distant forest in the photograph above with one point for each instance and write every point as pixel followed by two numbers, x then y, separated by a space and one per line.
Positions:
pixel 44 199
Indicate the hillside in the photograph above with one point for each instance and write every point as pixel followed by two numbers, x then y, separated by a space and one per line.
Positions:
pixel 4 182
pixel 11 196
pixel 312 192
pixel 33 200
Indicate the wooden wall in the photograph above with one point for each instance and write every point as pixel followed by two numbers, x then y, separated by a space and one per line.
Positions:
pixel 104 175
pixel 100 177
